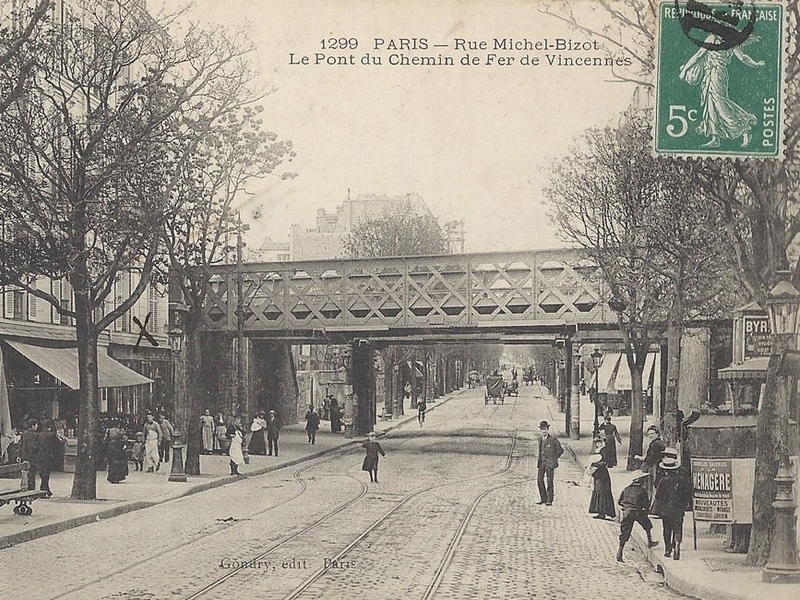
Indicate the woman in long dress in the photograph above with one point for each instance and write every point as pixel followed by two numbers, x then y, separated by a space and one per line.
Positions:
pixel 258 444
pixel 117 460
pixel 207 430
pixel 235 451
pixel 722 117
pixel 601 503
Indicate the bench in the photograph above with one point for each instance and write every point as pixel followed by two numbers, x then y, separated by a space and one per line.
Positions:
pixel 23 496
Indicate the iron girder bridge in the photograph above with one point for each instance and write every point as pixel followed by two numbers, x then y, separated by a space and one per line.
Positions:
pixel 511 296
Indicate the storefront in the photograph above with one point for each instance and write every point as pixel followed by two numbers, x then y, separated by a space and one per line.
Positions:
pixel 42 381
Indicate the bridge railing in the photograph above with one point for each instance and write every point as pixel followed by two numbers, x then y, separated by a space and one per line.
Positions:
pixel 458 290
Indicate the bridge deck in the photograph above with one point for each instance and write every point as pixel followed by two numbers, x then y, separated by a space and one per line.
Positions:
pixel 532 291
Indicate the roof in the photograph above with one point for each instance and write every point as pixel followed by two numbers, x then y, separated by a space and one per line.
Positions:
pixel 724 421
pixel 752 368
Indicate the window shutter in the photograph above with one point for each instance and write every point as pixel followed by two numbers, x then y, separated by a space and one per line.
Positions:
pixel 56 291
pixel 33 301
pixel 8 302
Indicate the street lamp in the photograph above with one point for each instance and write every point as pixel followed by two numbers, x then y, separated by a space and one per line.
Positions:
pixel 783 305
pixel 597 359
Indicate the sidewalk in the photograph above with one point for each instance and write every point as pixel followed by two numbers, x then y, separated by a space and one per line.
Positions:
pixel 708 572
pixel 141 490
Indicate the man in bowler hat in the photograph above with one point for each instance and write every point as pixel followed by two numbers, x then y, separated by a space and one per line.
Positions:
pixel 550 450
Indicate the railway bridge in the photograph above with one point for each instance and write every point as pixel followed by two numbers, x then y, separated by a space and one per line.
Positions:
pixel 501 297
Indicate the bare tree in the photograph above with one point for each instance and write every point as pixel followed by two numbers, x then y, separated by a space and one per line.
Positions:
pixel 19 42
pixel 202 221
pixel 92 152
pixel 399 231
pixel 656 237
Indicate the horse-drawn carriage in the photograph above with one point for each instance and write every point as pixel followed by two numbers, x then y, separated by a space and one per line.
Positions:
pixel 512 387
pixel 474 379
pixel 495 389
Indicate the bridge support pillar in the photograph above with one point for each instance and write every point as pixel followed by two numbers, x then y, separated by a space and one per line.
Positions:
pixel 363 380
pixel 573 392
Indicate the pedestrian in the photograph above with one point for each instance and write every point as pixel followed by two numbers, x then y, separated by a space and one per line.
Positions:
pixel 652 458
pixel 167 433
pixel 221 441
pixel 137 453
pixel 273 432
pixel 550 450
pixel 30 451
pixel 312 424
pixel 336 424
pixel 151 433
pixel 48 453
pixel 258 444
pixel 601 503
pixel 421 408
pixel 372 449
pixel 673 497
pixel 612 438
pixel 634 503
pixel 207 431
pixel 236 435
pixel 116 439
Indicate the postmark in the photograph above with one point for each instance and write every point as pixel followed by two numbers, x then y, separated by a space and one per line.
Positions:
pixel 720 79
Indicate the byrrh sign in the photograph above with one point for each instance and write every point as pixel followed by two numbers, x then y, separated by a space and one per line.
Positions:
pixel 756 337
pixel 712 489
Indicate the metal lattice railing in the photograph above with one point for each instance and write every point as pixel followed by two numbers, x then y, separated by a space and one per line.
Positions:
pixel 461 290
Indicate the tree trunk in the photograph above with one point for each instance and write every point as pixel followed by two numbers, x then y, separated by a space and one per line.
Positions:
pixel 84 483
pixel 636 354
pixel 670 428
pixel 767 452
pixel 388 380
pixel 193 395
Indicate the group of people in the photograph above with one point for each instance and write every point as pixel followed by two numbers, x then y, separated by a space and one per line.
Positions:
pixel 150 448
pixel 39 445
pixel 665 491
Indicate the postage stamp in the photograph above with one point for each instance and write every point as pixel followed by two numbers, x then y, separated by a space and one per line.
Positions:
pixel 720 79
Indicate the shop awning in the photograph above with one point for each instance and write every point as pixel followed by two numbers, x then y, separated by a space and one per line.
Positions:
pixel 623 379
pixel 752 368
pixel 606 371
pixel 62 363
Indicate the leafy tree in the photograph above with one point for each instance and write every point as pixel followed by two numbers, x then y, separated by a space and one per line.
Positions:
pixel 399 231
pixel 202 221
pixel 91 153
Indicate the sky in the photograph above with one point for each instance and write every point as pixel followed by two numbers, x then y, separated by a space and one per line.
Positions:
pixel 477 141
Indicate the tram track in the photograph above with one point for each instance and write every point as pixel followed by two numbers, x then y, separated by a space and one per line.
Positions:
pixel 317 575
pixel 222 528
pixel 412 434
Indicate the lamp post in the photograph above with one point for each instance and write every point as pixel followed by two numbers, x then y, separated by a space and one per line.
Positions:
pixel 176 340
pixel 783 305
pixel 597 359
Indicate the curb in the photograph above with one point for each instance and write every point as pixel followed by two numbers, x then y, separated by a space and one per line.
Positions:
pixel 60 526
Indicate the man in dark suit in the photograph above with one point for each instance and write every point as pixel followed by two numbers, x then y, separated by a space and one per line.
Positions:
pixel 273 432
pixel 550 450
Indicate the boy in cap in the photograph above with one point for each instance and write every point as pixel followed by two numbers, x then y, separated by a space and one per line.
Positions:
pixel 370 463
pixel 673 496
pixel 550 450
pixel 634 503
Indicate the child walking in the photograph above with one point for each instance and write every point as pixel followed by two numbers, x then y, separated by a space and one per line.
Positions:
pixel 137 453
pixel 370 463
pixel 634 503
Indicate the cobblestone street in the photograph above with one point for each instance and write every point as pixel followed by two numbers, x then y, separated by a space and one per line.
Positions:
pixel 454 516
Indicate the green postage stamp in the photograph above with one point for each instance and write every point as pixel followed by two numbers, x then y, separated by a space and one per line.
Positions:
pixel 720 79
